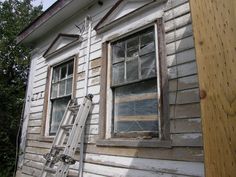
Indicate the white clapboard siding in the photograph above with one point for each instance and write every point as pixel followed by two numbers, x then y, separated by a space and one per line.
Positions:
pixel 178 11
pixel 181 57
pixel 35 116
pixel 183 70
pixel 183 83
pixel 184 97
pixel 187 139
pixel 179 34
pixel 40 77
pixel 165 166
pixel 180 45
pixel 185 125
pixel 184 109
pixel 122 172
pixel 39 89
pixel 173 4
pixel 178 22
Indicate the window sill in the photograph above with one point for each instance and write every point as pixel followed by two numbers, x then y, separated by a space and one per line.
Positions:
pixel 119 142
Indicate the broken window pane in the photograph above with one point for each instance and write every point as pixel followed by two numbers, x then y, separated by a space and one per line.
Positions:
pixel 58 109
pixel 132 70
pixel 118 73
pixel 63 72
pixel 118 52
pixel 70 69
pixel 147 49
pixel 147 38
pixel 148 66
pixel 132 47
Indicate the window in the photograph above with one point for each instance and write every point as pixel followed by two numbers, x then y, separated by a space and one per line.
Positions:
pixel 134 86
pixel 61 90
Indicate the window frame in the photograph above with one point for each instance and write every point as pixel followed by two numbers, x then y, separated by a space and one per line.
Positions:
pixel 105 137
pixel 47 110
pixel 113 86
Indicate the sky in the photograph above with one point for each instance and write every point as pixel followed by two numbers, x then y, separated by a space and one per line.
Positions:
pixel 46 3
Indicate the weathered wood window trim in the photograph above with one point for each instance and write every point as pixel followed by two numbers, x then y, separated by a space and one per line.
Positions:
pixel 46 116
pixel 164 139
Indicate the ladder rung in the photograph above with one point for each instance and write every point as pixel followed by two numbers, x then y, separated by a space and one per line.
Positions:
pixel 74 108
pixel 59 147
pixel 50 170
pixel 67 127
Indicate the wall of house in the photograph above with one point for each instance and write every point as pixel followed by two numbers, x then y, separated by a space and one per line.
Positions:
pixel 184 158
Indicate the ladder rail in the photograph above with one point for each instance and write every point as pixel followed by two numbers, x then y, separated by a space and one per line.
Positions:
pixel 58 139
pixel 75 119
pixel 76 135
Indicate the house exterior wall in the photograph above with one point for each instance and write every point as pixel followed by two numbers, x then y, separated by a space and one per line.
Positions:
pixel 183 158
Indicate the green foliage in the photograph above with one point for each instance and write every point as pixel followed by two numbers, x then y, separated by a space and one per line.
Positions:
pixel 14 64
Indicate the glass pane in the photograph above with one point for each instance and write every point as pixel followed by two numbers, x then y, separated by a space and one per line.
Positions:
pixel 132 47
pixel 118 52
pixel 147 38
pixel 63 72
pixel 62 88
pixel 118 73
pixel 143 87
pixel 135 126
pixel 148 66
pixel 70 68
pixel 147 49
pixel 54 90
pixel 136 107
pixel 58 109
pixel 132 70
pixel 55 77
pixel 145 106
pixel 68 86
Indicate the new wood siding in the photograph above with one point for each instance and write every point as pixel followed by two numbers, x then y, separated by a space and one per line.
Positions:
pixel 184 158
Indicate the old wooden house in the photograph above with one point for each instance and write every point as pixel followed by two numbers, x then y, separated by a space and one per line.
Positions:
pixel 137 58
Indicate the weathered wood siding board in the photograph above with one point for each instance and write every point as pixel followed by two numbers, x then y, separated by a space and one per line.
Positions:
pixel 185 158
pixel 185 111
pixel 178 22
pixel 172 4
pixel 187 139
pixel 177 11
pixel 165 166
pixel 183 83
pixel 185 125
pixel 122 172
pixel 181 57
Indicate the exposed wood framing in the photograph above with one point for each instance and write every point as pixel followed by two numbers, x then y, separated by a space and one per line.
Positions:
pixel 214 25
pixel 165 124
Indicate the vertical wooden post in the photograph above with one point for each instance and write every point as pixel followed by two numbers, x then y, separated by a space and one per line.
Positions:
pixel 214 25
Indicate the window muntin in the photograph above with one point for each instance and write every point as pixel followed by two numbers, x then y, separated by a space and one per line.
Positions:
pixel 134 85
pixel 61 89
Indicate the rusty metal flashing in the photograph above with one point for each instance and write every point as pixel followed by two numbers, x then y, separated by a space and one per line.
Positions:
pixel 51 11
